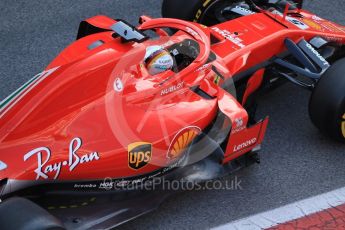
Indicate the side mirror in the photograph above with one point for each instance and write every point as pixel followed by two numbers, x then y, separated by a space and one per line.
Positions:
pixel 281 4
pixel 128 32
pixel 299 3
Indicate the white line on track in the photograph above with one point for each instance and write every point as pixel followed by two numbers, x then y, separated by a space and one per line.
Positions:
pixel 288 212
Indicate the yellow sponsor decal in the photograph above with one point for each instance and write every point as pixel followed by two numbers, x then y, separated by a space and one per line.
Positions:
pixel 181 141
pixel 312 24
pixel 139 155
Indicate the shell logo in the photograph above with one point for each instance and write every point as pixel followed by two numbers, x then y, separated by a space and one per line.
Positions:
pixel 343 126
pixel 181 141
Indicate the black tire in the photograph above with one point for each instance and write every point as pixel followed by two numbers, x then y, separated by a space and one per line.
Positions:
pixel 201 11
pixel 210 12
pixel 180 9
pixel 327 102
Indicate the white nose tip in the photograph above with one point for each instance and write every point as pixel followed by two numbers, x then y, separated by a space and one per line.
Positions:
pixel 2 165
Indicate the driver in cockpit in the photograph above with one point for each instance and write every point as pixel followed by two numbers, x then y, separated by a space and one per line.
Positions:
pixel 158 60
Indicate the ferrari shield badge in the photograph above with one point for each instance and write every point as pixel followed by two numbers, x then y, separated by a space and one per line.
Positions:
pixel 118 85
pixel 139 155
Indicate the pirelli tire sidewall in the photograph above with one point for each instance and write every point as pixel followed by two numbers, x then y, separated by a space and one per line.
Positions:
pixel 327 102
pixel 193 10
pixel 190 10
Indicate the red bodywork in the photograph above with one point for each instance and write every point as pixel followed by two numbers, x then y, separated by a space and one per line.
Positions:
pixel 77 120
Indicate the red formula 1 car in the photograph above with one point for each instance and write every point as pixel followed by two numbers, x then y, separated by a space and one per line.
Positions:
pixel 80 140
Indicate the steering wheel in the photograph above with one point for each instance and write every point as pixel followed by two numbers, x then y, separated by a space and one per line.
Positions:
pixel 191 29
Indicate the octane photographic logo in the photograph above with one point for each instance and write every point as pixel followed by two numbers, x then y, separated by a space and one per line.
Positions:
pixel 143 114
pixel 162 184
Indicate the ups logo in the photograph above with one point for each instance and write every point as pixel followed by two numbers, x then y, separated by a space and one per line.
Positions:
pixel 139 154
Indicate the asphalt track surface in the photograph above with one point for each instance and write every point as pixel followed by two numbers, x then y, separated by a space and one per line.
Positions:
pixel 297 161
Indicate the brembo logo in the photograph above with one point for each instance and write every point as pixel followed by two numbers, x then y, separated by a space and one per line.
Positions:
pixel 244 144
pixel 139 154
pixel 322 59
pixel 43 155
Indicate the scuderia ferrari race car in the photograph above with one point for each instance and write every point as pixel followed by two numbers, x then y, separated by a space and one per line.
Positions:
pixel 81 140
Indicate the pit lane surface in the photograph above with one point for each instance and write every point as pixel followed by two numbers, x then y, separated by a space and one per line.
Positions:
pixel 297 161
